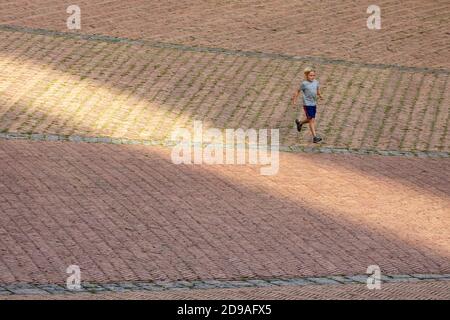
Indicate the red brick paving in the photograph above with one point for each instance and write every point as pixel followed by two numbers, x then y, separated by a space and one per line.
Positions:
pixel 413 32
pixel 128 213
pixel 423 290
pixel 72 86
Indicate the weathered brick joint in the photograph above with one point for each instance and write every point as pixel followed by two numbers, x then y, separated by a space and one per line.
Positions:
pixel 124 286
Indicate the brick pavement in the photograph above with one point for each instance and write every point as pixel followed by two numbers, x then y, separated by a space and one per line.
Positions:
pixel 193 287
pixel 413 32
pixel 422 290
pixel 64 85
pixel 125 213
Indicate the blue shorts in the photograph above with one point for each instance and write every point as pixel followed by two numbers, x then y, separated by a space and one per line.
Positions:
pixel 310 111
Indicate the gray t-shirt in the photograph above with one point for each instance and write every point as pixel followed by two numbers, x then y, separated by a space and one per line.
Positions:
pixel 309 90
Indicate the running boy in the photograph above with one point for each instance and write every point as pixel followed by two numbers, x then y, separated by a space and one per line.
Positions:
pixel 310 91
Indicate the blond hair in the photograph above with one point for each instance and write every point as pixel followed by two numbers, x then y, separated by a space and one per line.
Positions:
pixel 307 71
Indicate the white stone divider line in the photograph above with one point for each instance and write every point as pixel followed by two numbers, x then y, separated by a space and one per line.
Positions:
pixel 169 143
pixel 154 286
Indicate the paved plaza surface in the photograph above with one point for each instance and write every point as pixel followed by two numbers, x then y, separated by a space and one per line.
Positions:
pixel 127 213
pixel 415 33
pixel 431 290
pixel 86 176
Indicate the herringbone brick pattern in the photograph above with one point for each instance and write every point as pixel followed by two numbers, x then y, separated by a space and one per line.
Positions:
pixel 69 86
pixel 128 213
pixel 423 290
pixel 413 32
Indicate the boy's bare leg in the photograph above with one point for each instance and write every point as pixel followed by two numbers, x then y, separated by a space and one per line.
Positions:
pixel 300 123
pixel 312 126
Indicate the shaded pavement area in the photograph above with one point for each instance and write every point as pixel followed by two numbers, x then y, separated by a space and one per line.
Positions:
pixel 127 213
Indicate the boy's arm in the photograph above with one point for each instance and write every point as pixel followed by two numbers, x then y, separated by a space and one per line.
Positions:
pixel 318 93
pixel 294 97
